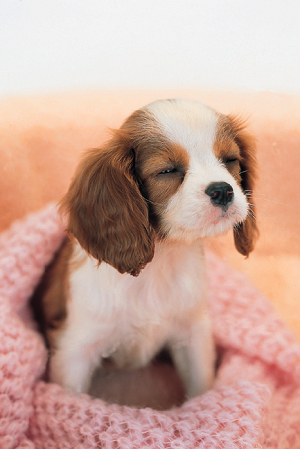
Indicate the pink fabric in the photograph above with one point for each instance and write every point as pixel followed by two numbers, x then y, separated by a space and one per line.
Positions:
pixel 255 402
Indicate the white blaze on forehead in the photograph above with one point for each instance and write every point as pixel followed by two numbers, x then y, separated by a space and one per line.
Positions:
pixel 189 123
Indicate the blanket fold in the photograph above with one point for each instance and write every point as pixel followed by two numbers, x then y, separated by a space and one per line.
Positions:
pixel 255 401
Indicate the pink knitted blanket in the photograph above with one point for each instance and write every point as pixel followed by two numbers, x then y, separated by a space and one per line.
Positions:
pixel 255 402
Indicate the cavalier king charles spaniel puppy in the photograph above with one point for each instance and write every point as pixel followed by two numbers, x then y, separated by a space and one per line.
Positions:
pixel 130 280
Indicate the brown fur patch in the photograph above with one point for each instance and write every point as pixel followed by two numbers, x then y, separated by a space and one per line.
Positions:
pixel 107 213
pixel 50 297
pixel 156 186
pixel 232 142
pixel 226 148
pixel 154 153
pixel 115 197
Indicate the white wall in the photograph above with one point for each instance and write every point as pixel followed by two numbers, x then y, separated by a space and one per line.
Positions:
pixel 58 44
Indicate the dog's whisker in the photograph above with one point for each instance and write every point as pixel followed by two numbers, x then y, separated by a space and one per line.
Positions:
pixel 266 212
pixel 265 197
pixel 152 202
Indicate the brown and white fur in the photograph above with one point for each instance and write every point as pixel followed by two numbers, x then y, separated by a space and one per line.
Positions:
pixel 131 280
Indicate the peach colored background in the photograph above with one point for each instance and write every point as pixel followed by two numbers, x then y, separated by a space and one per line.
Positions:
pixel 42 137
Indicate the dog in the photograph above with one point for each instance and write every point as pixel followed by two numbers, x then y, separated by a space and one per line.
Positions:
pixel 130 279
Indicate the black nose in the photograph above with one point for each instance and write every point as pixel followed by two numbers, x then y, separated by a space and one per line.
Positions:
pixel 221 194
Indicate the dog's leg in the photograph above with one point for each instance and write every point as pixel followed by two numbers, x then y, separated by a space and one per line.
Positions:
pixel 72 365
pixel 195 358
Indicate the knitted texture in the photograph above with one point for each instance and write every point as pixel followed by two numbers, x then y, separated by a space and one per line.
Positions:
pixel 255 402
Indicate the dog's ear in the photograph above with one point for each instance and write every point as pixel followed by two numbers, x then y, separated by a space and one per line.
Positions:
pixel 107 213
pixel 246 233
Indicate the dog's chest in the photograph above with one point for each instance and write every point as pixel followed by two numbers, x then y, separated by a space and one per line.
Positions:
pixel 128 313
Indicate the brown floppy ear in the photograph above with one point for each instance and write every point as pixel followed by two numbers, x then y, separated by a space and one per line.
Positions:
pixel 107 213
pixel 246 233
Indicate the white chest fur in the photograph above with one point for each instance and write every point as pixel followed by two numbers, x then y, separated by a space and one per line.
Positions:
pixel 129 319
pixel 132 318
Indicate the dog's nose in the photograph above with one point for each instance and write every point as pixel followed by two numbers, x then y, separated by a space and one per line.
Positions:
pixel 221 194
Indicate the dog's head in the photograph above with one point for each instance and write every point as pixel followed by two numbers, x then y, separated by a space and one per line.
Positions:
pixel 176 169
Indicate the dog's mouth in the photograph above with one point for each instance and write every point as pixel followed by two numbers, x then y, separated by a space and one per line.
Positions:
pixel 224 215
pixel 229 217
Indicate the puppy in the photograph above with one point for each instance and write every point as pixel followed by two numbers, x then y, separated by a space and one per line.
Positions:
pixel 131 279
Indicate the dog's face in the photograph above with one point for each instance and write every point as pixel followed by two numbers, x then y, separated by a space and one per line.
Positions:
pixel 176 169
